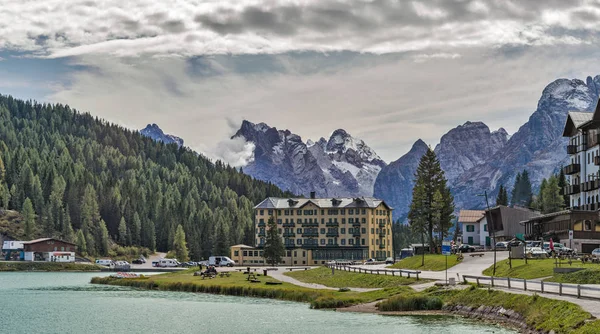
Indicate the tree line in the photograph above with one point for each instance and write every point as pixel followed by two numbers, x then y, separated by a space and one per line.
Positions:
pixel 85 180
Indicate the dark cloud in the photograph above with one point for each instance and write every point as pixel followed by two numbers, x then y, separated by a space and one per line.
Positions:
pixel 173 26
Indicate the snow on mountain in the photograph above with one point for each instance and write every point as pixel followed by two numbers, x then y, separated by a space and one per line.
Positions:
pixel 340 166
pixel 155 132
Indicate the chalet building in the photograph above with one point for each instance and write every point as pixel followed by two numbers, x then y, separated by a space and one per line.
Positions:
pixel 50 250
pixel 473 232
pixel 583 171
pixel 479 227
pixel 12 250
pixel 316 230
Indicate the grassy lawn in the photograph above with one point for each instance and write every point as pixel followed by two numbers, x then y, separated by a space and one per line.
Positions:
pixel 238 285
pixel 47 266
pixel 342 279
pixel 586 276
pixel 434 262
pixel 533 269
pixel 540 313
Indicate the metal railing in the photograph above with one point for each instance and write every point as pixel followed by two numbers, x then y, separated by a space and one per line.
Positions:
pixel 561 289
pixel 385 272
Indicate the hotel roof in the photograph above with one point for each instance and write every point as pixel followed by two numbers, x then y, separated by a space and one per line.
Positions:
pixel 323 203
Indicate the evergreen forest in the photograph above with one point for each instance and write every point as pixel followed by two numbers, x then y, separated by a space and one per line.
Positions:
pixel 94 183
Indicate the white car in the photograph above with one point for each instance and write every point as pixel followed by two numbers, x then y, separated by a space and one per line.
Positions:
pixel 536 252
pixel 596 253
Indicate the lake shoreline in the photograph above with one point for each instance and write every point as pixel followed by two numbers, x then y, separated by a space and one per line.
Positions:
pixel 26 266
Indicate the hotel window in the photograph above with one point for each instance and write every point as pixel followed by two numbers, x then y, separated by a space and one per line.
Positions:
pixel 363 230
pixel 299 241
pixel 362 241
pixel 322 231
pixel 286 212
pixel 485 227
pixel 364 220
pixel 279 212
pixel 299 231
pixel 343 220
pixel 236 253
pixel 270 212
pixel 322 241
pixel 587 225
pixel 279 221
pixel 372 230
pixel 245 253
pixel 377 241
pixel 372 242
pixel 350 220
pixel 262 212
pixel 330 241
pixel 364 211
pixel 299 212
pixel 343 242
pixel 343 230
pixel 322 212
pixel 470 228
pixel 351 212
pixel 342 212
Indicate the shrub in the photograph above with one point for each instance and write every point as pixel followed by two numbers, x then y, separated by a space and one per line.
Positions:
pixel 411 303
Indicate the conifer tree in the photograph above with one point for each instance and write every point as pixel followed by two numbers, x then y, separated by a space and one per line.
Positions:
pixel 67 229
pixel 29 217
pixel 103 246
pixel 502 198
pixel 122 231
pixel 539 202
pixel 562 183
pixel 81 244
pixel 428 212
pixel 273 249
pixel 552 199
pixel 180 246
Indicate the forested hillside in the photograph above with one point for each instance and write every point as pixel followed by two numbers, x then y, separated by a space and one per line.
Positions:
pixel 90 181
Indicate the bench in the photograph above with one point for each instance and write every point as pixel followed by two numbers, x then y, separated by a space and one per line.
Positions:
pixel 297 268
pixel 251 277
pixel 476 254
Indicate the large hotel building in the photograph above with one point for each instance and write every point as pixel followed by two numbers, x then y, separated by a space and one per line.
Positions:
pixel 317 230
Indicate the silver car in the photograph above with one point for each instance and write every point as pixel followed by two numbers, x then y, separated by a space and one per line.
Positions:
pixel 596 253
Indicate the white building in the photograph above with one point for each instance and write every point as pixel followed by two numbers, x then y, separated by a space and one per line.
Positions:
pixel 474 227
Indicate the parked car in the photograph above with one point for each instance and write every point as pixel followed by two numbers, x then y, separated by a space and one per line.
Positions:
pixel 220 261
pixel 464 248
pixel 596 253
pixel 370 261
pixel 105 262
pixel 536 252
pixel 501 246
pixel 138 261
pixel 389 260
pixel 558 248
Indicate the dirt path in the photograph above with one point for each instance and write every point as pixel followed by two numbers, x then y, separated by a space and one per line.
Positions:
pixel 279 275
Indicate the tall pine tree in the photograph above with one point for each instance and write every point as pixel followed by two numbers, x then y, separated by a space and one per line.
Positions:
pixel 274 249
pixel 29 217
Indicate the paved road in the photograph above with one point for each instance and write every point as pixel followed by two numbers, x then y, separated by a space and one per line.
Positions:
pixel 469 266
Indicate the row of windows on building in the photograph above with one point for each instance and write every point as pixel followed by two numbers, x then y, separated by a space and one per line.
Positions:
pixel 331 220
pixel 325 242
pixel 589 199
pixel 315 212
pixel 471 228
pixel 315 230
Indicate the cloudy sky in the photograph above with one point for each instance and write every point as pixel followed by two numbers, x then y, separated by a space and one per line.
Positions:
pixel 387 71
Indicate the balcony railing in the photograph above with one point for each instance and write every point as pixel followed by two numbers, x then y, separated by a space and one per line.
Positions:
pixel 332 245
pixel 289 234
pixel 382 224
pixel 571 149
pixel 315 224
pixel 262 224
pixel 571 190
pixel 381 246
pixel 310 246
pixel 356 223
pixel 590 185
pixel 332 224
pixel 356 233
pixel 310 234
pixel 332 234
pixel 382 234
pixel 261 233
pixel 572 169
pixel 289 225
pixel 589 207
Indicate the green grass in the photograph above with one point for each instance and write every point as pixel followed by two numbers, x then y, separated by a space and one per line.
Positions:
pixel 433 262
pixel 586 276
pixel 539 313
pixel 237 285
pixel 533 269
pixel 342 279
pixel 416 302
pixel 47 266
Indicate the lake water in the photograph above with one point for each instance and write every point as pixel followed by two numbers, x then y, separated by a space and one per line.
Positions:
pixel 67 303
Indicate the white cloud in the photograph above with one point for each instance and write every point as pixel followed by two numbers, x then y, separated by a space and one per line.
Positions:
pixel 57 28
pixel 387 101
pixel 425 57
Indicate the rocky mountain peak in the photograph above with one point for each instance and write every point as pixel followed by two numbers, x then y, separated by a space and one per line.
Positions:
pixel 156 133
pixel 341 142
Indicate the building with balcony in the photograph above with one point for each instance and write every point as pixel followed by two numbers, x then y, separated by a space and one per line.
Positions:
pixel 317 230
pixel 579 225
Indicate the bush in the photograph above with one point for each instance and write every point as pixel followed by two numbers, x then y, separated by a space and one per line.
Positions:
pixel 411 303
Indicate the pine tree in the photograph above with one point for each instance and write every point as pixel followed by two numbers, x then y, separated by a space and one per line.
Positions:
pixel 418 214
pixel 67 229
pixel 552 199
pixel 2 171
pixel 539 202
pixel 136 228
pixel 81 244
pixel 562 183
pixel 273 249
pixel 122 231
pixel 527 193
pixel 502 198
pixel 180 246
pixel 424 207
pixel 29 217
pixel 103 240
pixel 514 196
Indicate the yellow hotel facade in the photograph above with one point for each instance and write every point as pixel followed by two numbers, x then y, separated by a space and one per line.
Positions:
pixel 317 230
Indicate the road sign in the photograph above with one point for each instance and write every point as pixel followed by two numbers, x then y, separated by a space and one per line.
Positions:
pixel 446 248
pixel 570 234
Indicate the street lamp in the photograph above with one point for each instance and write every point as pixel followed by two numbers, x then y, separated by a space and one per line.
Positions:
pixel 493 228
